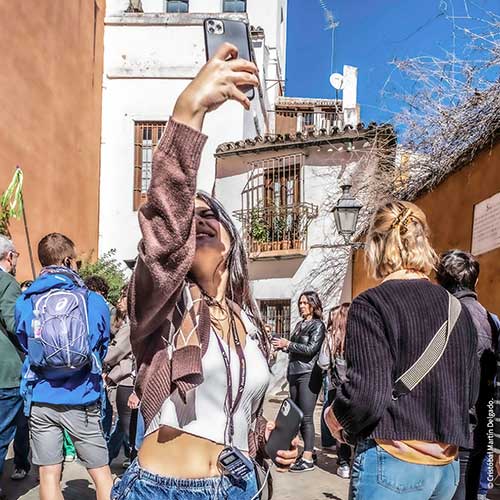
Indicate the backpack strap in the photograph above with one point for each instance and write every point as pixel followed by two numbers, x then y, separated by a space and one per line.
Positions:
pixel 432 354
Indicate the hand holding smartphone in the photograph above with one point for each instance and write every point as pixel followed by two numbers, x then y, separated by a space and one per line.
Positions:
pixel 287 427
pixel 218 31
pixel 224 77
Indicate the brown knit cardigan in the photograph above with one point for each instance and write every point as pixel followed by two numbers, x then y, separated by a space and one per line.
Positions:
pixel 163 308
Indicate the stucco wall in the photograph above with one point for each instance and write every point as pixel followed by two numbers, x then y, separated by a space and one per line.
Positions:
pixel 324 266
pixel 149 59
pixel 449 209
pixel 50 97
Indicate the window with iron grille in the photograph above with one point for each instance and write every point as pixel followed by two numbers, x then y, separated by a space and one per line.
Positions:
pixel 234 6
pixel 177 6
pixel 147 135
pixel 273 211
pixel 282 200
pixel 276 314
pixel 282 183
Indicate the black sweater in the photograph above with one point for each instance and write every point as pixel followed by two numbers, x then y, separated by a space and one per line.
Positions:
pixel 388 328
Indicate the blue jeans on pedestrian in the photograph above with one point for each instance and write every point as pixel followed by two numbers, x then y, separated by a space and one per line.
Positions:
pixel 138 484
pixel 327 440
pixel 139 435
pixel 378 475
pixel 484 484
pixel 13 426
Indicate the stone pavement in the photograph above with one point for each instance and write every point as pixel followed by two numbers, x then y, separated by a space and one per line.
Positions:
pixel 319 484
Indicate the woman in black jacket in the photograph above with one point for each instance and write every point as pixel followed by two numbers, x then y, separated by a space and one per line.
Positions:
pixel 304 376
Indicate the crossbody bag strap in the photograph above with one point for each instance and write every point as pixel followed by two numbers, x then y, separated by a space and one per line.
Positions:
pixel 432 354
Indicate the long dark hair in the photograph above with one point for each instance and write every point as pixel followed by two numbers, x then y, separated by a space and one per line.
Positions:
pixel 336 328
pixel 238 287
pixel 314 301
pixel 120 315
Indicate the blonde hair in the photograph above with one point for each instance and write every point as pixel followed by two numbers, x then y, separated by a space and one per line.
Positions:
pixel 398 239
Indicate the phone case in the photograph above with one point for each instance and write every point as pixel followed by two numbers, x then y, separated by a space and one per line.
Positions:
pixel 287 427
pixel 234 32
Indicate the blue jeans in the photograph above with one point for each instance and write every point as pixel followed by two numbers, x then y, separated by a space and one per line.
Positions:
pixel 327 440
pixel 139 484
pixel 378 475
pixel 139 435
pixel 13 426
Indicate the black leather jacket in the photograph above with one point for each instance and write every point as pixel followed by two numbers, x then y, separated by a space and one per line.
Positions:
pixel 305 344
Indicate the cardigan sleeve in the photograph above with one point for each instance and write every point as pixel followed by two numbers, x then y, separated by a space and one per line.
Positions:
pixel 168 228
pixel 362 399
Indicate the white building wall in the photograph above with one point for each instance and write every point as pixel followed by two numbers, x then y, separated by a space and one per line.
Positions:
pixel 328 257
pixel 147 64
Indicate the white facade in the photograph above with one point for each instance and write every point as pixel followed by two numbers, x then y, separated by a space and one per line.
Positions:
pixel 325 265
pixel 149 58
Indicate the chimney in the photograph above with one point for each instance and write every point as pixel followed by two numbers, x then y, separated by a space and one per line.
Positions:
pixel 349 96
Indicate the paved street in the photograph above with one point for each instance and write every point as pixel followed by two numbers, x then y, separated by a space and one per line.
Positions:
pixel 319 484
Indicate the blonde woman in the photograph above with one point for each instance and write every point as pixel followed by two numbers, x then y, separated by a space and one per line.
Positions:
pixel 406 446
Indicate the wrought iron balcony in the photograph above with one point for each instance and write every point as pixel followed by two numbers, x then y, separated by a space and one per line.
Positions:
pixel 277 231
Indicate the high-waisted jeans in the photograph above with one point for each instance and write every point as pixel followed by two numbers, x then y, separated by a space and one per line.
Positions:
pixel 139 484
pixel 377 474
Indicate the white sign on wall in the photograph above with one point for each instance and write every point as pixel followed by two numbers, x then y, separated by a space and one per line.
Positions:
pixel 486 225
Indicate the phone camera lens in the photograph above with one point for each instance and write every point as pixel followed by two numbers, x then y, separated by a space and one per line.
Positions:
pixel 211 29
pixel 211 22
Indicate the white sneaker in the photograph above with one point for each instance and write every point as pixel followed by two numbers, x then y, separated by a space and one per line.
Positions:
pixel 344 472
pixel 18 474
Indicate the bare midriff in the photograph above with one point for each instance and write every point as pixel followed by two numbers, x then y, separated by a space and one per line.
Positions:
pixel 172 453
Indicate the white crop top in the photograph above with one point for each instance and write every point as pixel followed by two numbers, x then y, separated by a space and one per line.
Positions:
pixel 203 413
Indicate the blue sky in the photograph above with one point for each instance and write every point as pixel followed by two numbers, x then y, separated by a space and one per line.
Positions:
pixel 371 34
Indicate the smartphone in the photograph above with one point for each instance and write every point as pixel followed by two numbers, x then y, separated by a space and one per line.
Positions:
pixel 218 31
pixel 287 427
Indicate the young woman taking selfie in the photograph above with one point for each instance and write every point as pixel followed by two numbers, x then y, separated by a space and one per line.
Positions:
pixel 195 330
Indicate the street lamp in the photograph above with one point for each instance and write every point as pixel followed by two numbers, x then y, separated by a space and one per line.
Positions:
pixel 346 212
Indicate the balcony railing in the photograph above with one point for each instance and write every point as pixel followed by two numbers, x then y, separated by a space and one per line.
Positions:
pixel 277 231
pixel 290 122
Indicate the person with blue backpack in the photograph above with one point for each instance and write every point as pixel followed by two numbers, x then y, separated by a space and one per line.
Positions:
pixel 64 330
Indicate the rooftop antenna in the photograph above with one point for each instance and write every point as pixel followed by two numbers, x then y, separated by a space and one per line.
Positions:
pixel 331 24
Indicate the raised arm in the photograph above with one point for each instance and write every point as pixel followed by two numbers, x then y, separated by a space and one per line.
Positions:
pixel 167 222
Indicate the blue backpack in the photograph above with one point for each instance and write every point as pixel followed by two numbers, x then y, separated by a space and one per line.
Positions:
pixel 60 344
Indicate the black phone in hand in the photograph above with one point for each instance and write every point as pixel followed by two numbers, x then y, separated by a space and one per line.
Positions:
pixel 218 31
pixel 287 427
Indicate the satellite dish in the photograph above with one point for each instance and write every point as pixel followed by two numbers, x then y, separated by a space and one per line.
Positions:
pixel 337 81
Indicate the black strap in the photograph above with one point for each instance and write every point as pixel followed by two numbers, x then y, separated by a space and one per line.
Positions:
pixel 231 405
